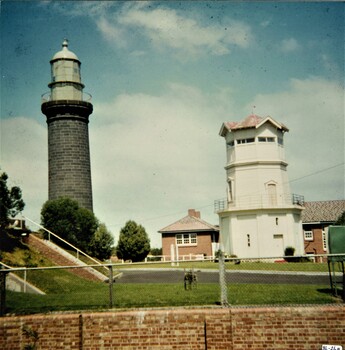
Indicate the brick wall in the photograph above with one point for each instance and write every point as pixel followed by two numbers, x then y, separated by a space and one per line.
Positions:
pixel 69 159
pixel 315 246
pixel 204 244
pixel 306 327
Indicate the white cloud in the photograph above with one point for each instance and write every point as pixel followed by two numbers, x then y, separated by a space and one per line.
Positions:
pixel 166 28
pixel 110 32
pixel 265 23
pixel 162 27
pixel 155 156
pixel 159 154
pixel 24 157
pixel 313 110
pixel 289 45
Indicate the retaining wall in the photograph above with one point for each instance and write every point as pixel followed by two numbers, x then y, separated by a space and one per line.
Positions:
pixel 300 327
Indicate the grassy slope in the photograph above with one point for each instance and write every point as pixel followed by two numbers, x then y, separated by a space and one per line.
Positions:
pixel 93 297
pixel 69 292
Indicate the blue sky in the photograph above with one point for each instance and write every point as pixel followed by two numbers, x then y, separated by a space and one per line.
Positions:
pixel 164 76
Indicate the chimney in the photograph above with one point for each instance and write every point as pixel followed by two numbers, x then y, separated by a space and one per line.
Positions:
pixel 194 213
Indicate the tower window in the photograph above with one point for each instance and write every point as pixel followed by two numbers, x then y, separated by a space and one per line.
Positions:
pixel 230 143
pixel 266 139
pixel 249 140
pixel 230 180
pixel 248 240
pixel 272 195
pixel 280 141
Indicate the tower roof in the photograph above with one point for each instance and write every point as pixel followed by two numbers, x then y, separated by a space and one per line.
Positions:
pixel 65 53
pixel 252 121
pixel 189 223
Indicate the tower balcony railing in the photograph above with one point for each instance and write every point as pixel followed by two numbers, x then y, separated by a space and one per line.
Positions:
pixel 258 201
pixel 47 97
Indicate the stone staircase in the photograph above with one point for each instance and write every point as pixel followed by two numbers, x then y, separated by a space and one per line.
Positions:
pixel 61 257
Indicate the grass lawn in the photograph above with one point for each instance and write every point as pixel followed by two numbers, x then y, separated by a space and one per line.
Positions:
pixel 256 266
pixel 95 296
pixel 66 291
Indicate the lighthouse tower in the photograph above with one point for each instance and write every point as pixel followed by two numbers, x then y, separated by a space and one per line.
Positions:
pixel 260 216
pixel 67 111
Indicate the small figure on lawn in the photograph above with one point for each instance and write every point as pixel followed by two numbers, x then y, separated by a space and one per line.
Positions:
pixel 190 279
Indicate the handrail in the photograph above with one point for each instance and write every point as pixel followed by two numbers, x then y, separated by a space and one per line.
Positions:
pixel 7 266
pixel 64 241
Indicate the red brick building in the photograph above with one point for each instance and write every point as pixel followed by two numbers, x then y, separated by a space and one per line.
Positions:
pixel 316 218
pixel 190 236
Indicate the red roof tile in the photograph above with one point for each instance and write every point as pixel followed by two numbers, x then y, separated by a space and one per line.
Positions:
pixel 323 211
pixel 189 224
pixel 252 121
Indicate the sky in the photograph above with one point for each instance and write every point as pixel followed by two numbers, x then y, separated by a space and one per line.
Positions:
pixel 163 77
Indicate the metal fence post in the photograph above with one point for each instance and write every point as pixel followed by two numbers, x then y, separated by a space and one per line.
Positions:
pixel 222 281
pixel 3 275
pixel 111 280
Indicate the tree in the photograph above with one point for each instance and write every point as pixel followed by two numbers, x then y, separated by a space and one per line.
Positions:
pixel 102 243
pixel 11 202
pixel 341 220
pixel 156 251
pixel 134 243
pixel 75 224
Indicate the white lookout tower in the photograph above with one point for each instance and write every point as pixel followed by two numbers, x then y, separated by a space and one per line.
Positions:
pixel 260 217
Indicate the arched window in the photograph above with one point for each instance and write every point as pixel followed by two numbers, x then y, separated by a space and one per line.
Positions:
pixel 230 189
pixel 272 194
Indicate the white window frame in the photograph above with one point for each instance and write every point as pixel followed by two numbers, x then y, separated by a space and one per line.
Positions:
pixel 324 240
pixel 247 140
pixel 186 239
pixel 308 235
pixel 266 139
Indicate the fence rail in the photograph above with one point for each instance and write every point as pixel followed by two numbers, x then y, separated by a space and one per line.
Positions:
pixel 258 201
pixel 222 281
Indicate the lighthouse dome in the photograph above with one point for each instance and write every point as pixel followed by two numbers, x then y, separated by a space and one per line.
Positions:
pixel 65 53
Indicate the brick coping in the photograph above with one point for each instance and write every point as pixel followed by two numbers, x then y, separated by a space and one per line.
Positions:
pixel 186 309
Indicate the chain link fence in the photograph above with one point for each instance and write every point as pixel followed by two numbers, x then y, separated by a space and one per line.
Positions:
pixel 224 282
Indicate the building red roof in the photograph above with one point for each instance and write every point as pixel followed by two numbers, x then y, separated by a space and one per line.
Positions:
pixel 252 121
pixel 323 211
pixel 191 222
